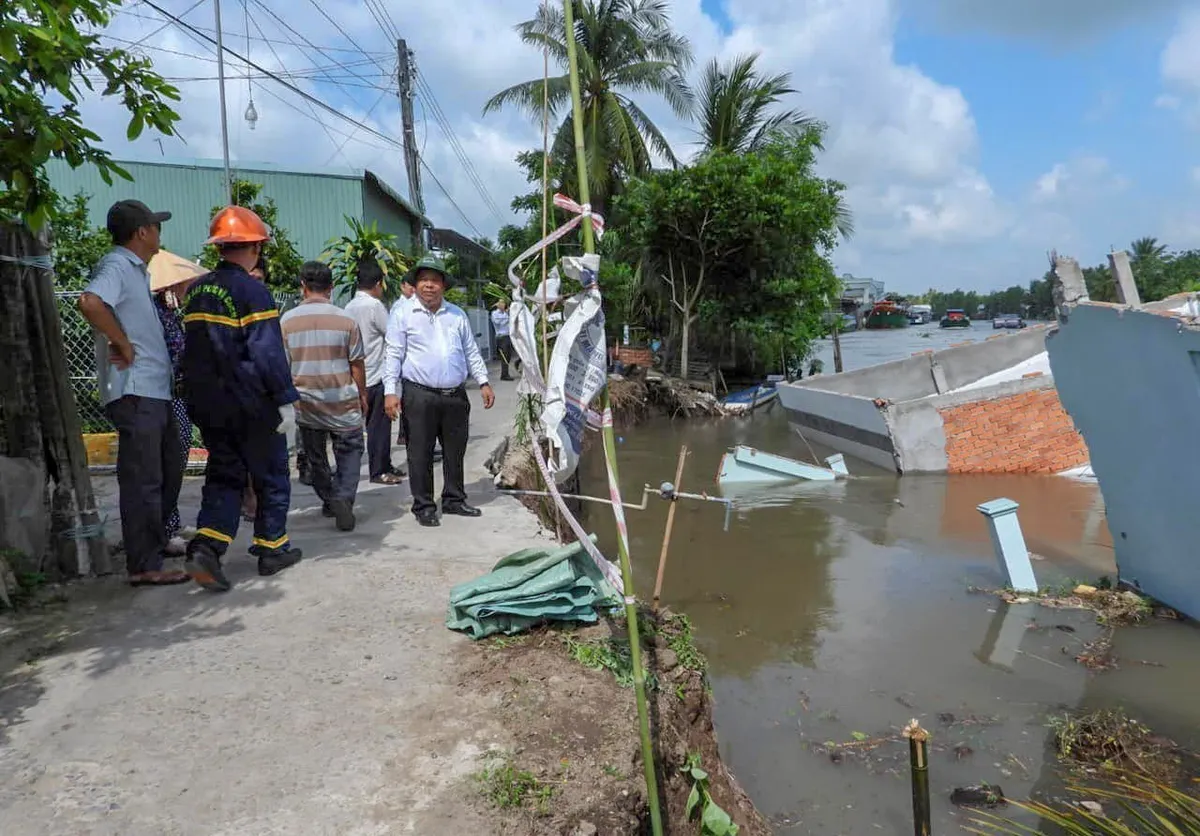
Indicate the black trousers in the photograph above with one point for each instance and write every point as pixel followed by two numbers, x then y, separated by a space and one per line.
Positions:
pixel 504 348
pixel 150 464
pixel 379 433
pixel 430 416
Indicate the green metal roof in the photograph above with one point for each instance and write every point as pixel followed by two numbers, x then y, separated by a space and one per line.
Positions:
pixel 312 202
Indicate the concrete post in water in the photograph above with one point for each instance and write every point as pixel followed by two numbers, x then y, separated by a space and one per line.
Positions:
pixel 1069 285
pixel 837 463
pixel 1122 273
pixel 1009 543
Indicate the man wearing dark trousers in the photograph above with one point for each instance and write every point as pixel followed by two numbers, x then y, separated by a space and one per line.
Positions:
pixel 136 388
pixel 431 351
pixel 371 314
pixel 238 384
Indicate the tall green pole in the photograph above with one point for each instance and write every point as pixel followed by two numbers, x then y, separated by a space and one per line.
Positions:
pixel 610 449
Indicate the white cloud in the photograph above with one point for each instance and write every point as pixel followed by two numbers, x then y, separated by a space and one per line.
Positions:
pixel 906 144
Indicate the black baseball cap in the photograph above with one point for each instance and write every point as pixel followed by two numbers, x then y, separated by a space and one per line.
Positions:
pixel 126 217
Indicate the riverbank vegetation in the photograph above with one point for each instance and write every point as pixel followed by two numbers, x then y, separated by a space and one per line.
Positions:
pixel 720 252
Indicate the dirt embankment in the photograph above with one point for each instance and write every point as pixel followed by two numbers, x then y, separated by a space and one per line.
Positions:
pixel 574 766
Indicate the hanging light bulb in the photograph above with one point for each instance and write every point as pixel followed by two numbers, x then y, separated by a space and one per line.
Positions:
pixel 251 114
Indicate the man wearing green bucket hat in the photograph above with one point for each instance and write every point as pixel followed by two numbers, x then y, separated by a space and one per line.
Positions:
pixel 431 351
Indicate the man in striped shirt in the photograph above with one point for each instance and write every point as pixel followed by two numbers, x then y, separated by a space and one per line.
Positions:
pixel 327 355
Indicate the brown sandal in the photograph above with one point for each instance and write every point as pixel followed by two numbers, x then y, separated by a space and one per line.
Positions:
pixel 158 578
pixel 388 479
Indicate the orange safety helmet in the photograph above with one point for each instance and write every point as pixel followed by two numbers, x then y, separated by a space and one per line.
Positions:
pixel 237 225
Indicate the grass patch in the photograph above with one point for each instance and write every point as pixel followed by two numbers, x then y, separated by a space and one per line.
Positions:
pixel 509 788
pixel 1111 740
pixel 608 654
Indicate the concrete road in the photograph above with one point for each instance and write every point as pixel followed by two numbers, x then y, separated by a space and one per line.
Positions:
pixel 322 701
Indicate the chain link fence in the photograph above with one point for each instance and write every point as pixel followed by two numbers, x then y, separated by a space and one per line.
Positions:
pixel 79 346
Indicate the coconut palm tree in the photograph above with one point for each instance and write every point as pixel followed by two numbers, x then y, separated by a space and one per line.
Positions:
pixel 1147 249
pixel 735 103
pixel 625 47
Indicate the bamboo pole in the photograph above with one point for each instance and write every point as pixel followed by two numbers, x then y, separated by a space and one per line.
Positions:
pixel 918 754
pixel 662 557
pixel 610 448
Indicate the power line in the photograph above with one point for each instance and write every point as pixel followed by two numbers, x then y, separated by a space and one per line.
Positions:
pixel 351 134
pixel 196 33
pixel 338 27
pixel 183 14
pixel 213 32
pixel 456 146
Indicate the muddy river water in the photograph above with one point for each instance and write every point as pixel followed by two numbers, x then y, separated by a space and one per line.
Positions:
pixel 833 613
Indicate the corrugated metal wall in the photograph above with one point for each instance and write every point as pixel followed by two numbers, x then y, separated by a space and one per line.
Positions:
pixel 311 205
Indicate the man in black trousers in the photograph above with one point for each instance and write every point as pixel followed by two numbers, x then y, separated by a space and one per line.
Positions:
pixel 431 351
pixel 371 314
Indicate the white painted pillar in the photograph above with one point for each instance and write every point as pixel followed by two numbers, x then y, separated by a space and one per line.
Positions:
pixel 1009 543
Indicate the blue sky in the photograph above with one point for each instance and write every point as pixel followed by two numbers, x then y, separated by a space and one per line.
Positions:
pixel 973 136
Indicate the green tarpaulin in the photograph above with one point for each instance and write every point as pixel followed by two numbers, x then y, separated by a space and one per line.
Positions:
pixel 529 587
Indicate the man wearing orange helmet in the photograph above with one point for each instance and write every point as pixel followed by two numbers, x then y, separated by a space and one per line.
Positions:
pixel 238 383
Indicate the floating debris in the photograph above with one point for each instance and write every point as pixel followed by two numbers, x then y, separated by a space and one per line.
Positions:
pixel 978 795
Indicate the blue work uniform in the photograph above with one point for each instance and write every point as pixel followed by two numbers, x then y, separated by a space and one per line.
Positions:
pixel 236 375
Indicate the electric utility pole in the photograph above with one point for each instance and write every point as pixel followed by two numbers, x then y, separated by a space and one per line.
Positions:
pixel 412 159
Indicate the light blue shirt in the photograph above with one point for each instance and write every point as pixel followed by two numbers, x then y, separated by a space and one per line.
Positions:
pixel 372 318
pixel 433 348
pixel 121 280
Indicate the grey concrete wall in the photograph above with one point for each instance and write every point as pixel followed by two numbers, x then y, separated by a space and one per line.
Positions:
pixel 1131 382
pixel 918 436
pixel 912 377
pixel 969 363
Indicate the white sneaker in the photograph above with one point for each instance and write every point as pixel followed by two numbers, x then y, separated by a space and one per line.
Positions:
pixel 176 547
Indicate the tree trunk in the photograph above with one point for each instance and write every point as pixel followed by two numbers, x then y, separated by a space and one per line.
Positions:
pixel 683 348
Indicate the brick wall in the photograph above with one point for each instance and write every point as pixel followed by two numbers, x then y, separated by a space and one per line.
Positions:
pixel 1024 433
pixel 641 357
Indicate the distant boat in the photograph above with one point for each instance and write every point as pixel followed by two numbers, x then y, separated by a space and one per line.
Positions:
pixel 955 318
pixel 886 315
pixel 745 401
pixel 920 314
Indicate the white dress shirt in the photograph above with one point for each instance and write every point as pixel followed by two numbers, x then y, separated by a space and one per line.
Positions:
pixel 372 318
pixel 500 321
pixel 433 348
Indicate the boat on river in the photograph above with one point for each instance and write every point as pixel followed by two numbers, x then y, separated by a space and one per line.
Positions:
pixel 886 315
pixel 745 401
pixel 955 318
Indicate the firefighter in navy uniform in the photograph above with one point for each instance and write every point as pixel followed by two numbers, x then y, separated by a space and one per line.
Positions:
pixel 238 384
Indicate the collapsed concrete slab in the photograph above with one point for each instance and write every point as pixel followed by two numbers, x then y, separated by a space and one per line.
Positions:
pixel 984 407
pixel 1130 379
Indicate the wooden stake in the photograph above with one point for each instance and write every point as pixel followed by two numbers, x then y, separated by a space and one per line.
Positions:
pixel 662 557
pixel 918 754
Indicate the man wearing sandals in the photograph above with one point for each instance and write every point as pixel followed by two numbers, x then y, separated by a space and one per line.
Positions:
pixel 135 380
pixel 371 314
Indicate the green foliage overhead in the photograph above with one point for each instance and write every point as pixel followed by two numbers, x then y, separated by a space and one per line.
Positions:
pixel 76 245
pixel 283 260
pixel 625 47
pixel 50 55
pixel 345 253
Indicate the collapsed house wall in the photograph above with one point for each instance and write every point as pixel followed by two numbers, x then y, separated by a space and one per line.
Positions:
pixel 1129 378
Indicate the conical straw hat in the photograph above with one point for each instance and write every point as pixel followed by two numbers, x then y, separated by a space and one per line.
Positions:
pixel 168 270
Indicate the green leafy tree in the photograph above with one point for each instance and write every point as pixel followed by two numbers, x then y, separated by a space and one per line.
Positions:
pixel 735 104
pixel 76 245
pixel 625 47
pixel 344 254
pixel 50 52
pixel 283 260
pixel 741 242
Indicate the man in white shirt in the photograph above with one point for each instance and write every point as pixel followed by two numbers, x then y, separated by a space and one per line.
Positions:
pixel 369 312
pixel 504 346
pixel 431 351
pixel 406 294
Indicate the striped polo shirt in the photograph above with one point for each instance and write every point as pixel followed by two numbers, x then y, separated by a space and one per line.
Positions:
pixel 322 341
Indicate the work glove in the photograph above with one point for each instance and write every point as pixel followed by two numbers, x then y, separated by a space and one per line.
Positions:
pixel 287 419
